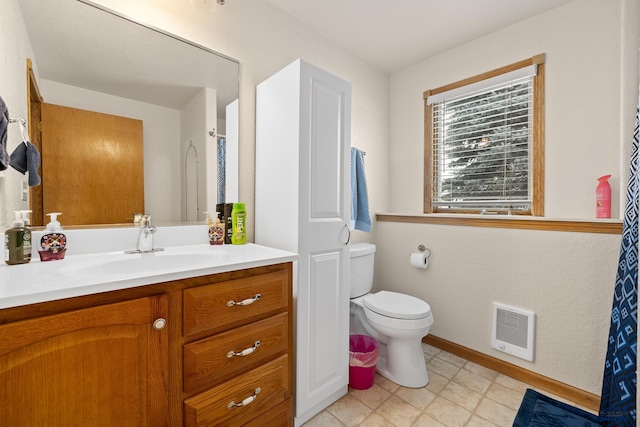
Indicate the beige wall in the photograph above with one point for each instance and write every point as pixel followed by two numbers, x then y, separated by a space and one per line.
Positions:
pixel 264 40
pixel 565 278
pixel 15 47
pixel 584 102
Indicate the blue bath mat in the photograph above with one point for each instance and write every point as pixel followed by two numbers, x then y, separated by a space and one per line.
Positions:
pixel 538 410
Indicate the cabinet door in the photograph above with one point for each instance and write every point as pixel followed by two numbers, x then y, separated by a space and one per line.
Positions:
pixel 323 291
pixel 100 366
pixel 303 128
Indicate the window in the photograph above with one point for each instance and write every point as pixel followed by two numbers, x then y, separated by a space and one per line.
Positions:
pixel 484 148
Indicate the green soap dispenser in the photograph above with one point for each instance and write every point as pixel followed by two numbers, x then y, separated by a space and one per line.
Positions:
pixel 53 243
pixel 17 242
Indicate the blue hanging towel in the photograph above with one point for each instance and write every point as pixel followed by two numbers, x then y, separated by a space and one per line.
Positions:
pixel 360 219
pixel 618 401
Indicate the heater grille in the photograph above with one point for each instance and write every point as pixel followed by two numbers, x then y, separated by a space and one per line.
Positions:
pixel 513 331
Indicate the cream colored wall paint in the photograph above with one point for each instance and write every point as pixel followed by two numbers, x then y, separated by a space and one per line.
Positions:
pixel 264 40
pixel 15 47
pixel 565 278
pixel 583 96
pixel 630 40
pixel 161 129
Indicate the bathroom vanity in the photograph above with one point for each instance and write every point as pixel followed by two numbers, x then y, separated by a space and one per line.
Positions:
pixel 179 344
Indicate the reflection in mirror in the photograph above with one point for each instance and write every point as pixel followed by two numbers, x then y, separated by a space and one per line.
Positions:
pixel 184 95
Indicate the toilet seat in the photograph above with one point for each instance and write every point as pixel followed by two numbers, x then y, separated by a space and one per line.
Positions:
pixel 397 306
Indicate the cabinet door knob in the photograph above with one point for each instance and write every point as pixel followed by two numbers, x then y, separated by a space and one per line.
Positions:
pixel 159 323
pixel 245 402
pixel 245 352
pixel 247 301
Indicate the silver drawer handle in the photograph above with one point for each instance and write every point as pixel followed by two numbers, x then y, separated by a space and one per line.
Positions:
pixel 245 352
pixel 247 301
pixel 245 402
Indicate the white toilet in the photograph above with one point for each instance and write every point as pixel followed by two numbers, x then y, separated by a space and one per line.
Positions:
pixel 397 321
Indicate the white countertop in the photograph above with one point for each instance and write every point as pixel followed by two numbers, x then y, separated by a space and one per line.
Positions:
pixel 86 274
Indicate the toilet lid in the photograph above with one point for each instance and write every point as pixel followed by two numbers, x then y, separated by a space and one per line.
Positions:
pixel 399 306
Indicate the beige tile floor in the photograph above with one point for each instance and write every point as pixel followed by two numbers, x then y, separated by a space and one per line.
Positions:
pixel 459 393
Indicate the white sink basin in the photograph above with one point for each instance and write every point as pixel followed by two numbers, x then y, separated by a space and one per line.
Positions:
pixel 143 263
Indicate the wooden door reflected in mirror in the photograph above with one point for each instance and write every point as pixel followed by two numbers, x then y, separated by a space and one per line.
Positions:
pixel 92 165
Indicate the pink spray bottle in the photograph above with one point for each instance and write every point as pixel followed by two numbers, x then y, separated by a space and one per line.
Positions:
pixel 603 197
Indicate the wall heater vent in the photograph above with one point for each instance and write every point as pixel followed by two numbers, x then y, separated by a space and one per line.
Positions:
pixel 513 331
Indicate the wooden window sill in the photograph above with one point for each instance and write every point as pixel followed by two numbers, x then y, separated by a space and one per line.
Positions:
pixel 602 226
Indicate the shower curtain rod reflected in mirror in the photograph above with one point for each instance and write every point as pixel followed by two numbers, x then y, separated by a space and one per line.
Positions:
pixel 186 182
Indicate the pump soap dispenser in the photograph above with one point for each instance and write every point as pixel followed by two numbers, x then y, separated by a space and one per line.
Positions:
pixel 17 242
pixel 216 230
pixel 54 242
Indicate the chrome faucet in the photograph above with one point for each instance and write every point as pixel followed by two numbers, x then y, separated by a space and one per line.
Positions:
pixel 145 236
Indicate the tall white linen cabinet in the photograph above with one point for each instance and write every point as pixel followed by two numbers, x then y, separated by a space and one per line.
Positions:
pixel 303 140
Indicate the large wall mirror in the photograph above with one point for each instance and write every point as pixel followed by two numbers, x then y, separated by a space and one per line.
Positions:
pixel 183 97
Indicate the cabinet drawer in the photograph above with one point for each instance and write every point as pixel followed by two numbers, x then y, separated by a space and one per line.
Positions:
pixel 216 405
pixel 210 361
pixel 278 416
pixel 213 308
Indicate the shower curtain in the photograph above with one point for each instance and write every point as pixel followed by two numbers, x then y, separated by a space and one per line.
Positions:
pixel 618 403
pixel 222 152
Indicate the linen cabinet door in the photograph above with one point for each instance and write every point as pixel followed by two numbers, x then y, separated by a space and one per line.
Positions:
pixel 100 366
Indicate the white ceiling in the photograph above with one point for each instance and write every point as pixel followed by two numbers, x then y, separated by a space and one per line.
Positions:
pixel 81 45
pixel 394 34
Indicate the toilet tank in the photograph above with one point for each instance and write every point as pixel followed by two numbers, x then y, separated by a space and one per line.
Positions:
pixel 361 266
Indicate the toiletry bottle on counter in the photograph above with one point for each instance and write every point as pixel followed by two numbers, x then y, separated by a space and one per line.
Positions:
pixel 216 230
pixel 603 197
pixel 17 242
pixel 223 211
pixel 238 221
pixel 53 244
pixel 24 216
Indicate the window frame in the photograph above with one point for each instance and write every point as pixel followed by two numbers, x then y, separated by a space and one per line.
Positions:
pixel 536 169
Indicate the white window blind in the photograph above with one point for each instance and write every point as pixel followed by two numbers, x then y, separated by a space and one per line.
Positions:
pixel 481 137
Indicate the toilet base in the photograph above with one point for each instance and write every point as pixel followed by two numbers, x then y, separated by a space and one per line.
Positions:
pixel 412 371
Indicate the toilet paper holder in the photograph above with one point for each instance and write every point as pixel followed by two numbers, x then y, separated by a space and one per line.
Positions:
pixel 423 248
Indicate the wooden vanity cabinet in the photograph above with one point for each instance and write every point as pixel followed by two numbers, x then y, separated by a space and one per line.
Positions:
pixel 99 366
pixel 168 354
pixel 237 355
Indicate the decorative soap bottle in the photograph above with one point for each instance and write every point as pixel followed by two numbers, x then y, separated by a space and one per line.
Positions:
pixel 216 230
pixel 53 244
pixel 238 223
pixel 603 197
pixel 17 242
